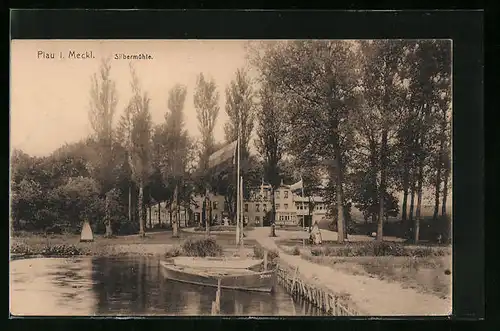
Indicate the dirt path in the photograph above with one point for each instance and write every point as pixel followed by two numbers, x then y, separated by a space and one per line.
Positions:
pixel 372 296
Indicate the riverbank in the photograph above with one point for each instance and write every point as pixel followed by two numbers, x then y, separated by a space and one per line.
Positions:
pixel 370 295
pixel 156 243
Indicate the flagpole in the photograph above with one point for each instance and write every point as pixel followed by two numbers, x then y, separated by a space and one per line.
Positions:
pixel 303 195
pixel 238 202
pixel 302 186
pixel 242 219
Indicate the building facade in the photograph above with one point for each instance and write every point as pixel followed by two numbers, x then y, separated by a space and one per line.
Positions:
pixel 218 208
pixel 291 209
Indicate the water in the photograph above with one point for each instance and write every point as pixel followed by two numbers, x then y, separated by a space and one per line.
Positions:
pixel 128 286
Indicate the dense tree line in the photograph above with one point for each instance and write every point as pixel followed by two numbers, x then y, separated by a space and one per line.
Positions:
pixel 360 122
pixel 114 175
pixel 372 117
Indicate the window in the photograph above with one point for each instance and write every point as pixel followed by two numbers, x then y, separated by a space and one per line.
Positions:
pixel 246 207
pixel 257 207
pixel 277 206
pixel 277 194
pixel 264 207
pixel 286 205
pixel 215 205
pixel 285 195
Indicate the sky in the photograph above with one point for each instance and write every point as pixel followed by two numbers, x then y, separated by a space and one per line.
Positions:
pixel 50 97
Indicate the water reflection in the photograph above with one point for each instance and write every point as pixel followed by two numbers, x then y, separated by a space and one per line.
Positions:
pixel 127 286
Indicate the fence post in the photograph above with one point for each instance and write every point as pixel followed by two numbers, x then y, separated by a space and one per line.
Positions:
pixel 265 260
pixel 294 278
pixel 216 303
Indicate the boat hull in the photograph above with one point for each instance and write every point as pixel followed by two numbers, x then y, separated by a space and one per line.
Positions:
pixel 217 263
pixel 244 280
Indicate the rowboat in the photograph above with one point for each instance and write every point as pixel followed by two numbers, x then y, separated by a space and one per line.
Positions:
pixel 230 278
pixel 216 262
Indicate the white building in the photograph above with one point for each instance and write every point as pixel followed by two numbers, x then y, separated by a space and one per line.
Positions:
pixel 291 208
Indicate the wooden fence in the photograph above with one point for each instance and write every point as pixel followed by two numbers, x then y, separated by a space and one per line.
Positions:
pixel 331 304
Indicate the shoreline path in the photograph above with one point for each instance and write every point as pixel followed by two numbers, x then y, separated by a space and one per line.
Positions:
pixel 373 297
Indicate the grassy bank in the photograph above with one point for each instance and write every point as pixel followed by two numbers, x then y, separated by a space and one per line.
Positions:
pixel 28 244
pixel 222 228
pixel 426 269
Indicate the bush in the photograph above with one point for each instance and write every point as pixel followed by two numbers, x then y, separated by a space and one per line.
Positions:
pixel 173 252
pixel 317 251
pixel 385 248
pixel 272 256
pixel 21 248
pixel 376 248
pixel 258 252
pixel 201 247
pixel 426 251
pixel 296 251
pixel 47 250
pixel 54 229
pixel 165 226
pixel 364 249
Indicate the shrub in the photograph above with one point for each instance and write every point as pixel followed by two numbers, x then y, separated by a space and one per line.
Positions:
pixel 295 250
pixel 21 248
pixel 317 251
pixel 426 251
pixel 272 256
pixel 173 252
pixel 258 252
pixel 201 247
pixel 47 250
pixel 162 226
pixel 363 249
pixel 61 250
pixel 385 248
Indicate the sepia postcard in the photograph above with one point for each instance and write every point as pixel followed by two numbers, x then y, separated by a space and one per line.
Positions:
pixel 231 177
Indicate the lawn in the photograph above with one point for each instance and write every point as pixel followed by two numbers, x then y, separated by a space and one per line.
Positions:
pixel 154 243
pixel 222 228
pixel 426 269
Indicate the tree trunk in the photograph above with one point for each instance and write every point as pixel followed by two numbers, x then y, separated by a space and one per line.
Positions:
pixel 346 228
pixel 175 229
pixel 406 184
pixel 203 212
pixel 419 203
pixel 273 206
pixel 437 189
pixel 207 211
pixel 210 212
pixel 383 148
pixel 445 194
pixel 159 214
pixel 437 183
pixel 339 196
pixel 412 201
pixel 109 229
pixel 142 216
pixel 130 203
pixel 150 217
pixel 445 198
